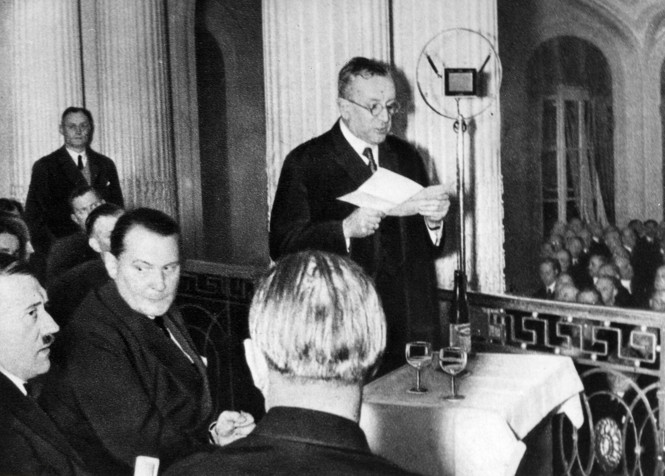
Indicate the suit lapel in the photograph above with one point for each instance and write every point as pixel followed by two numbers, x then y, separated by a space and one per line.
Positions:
pixel 387 158
pixel 178 329
pixel 93 165
pixel 347 158
pixel 31 416
pixel 69 169
pixel 166 352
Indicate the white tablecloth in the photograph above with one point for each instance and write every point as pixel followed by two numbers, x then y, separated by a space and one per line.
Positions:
pixel 507 395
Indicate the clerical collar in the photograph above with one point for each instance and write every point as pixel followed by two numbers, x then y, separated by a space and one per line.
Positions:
pixel 358 144
pixel 75 156
pixel 20 383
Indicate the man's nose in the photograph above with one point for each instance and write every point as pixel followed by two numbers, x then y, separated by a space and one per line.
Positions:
pixel 384 115
pixel 158 280
pixel 49 327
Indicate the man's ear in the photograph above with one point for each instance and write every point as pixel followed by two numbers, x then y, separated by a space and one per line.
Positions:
pixel 61 129
pixel 94 245
pixel 258 366
pixel 111 264
pixel 73 217
pixel 343 105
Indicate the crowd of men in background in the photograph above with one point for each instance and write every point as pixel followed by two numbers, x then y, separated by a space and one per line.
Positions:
pixel 611 266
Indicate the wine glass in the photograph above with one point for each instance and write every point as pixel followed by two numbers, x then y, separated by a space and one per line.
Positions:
pixel 418 355
pixel 452 361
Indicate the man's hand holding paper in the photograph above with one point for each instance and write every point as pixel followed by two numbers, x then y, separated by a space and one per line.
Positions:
pixel 396 195
pixel 431 202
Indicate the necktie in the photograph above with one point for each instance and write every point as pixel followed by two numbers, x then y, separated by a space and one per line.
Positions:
pixel 30 390
pixel 80 163
pixel 191 352
pixel 370 157
pixel 159 322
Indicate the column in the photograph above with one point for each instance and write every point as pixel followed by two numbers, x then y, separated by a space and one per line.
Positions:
pixel 305 45
pixel 415 22
pixel 126 65
pixel 45 80
pixel 182 63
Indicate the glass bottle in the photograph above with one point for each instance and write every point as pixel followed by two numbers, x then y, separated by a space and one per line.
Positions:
pixel 460 327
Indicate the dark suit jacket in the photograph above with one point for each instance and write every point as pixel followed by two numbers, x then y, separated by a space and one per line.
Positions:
pixel 54 177
pixel 399 256
pixel 289 441
pixel 67 291
pixel 30 443
pixel 122 388
pixel 646 259
pixel 68 252
pixel 598 247
pixel 541 293
pixel 580 273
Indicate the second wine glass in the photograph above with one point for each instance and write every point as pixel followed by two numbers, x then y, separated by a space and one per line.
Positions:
pixel 452 361
pixel 418 355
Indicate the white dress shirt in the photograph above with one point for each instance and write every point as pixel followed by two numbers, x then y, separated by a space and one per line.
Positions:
pixel 75 157
pixel 20 383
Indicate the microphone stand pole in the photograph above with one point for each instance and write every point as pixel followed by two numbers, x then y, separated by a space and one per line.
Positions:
pixel 460 128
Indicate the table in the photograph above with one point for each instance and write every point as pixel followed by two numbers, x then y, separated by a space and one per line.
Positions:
pixel 507 395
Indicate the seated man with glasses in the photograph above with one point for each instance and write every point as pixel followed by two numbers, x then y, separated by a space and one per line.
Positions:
pixel 398 252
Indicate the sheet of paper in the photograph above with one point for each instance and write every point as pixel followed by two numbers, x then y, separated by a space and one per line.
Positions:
pixel 383 191
pixel 410 207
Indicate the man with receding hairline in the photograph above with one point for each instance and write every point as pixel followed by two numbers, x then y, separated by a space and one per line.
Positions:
pixel 316 332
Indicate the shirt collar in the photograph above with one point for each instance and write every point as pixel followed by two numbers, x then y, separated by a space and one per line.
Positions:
pixel 20 383
pixel 358 144
pixel 75 156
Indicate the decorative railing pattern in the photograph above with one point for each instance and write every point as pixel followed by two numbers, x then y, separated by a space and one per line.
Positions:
pixel 618 355
pixel 214 300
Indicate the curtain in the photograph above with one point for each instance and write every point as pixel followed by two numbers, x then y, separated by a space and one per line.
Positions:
pixel 574 64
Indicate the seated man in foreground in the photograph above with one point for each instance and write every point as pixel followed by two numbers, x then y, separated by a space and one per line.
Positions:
pixel 131 381
pixel 30 443
pixel 317 330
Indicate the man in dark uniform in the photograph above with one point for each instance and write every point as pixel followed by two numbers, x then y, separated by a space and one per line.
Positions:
pixel 397 251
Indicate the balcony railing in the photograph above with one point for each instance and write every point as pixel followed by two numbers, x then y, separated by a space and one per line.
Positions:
pixel 617 353
pixel 214 300
pixel 618 356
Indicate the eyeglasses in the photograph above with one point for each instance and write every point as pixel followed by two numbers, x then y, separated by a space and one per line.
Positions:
pixel 377 108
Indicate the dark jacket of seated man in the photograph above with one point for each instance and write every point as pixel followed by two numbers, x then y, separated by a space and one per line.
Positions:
pixel 124 388
pixel 317 329
pixel 291 440
pixel 30 443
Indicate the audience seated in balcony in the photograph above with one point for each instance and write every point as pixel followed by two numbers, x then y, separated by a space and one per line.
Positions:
pixel 630 256
pixel 548 270
pixel 589 296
